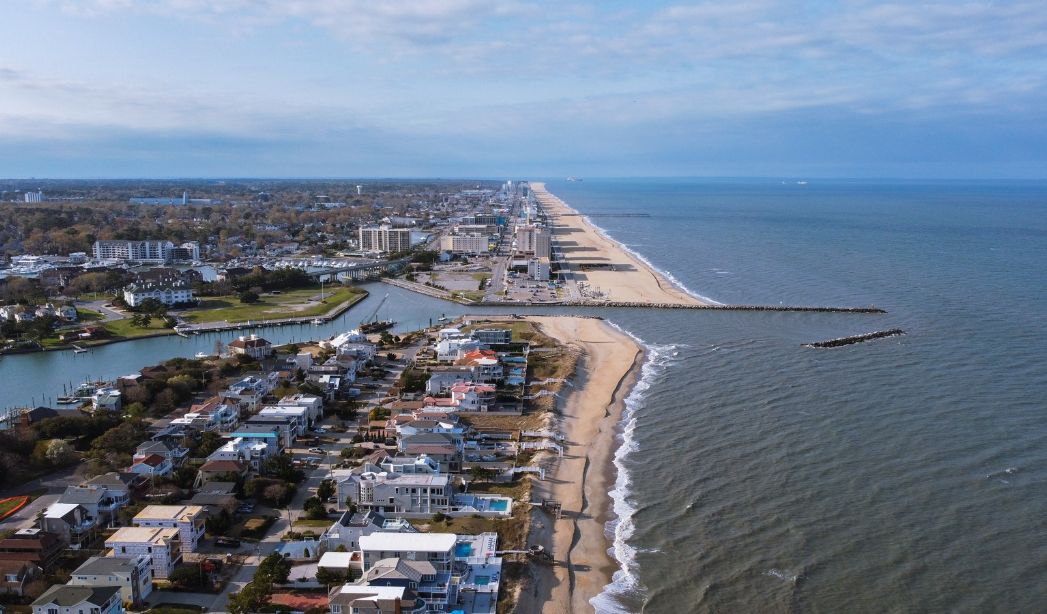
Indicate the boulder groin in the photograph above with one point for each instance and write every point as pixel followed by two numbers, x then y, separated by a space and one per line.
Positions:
pixel 833 343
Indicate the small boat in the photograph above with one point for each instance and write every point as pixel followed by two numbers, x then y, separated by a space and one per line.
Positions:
pixel 67 400
pixel 78 350
pixel 442 318
pixel 202 355
pixel 318 321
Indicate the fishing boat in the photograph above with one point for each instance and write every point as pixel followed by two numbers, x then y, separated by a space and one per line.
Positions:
pixel 317 321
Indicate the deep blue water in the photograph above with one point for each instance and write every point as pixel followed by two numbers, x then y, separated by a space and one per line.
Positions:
pixel 903 475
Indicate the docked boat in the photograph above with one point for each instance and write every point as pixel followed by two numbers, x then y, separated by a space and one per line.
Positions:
pixel 318 321
pixel 376 326
pixel 78 350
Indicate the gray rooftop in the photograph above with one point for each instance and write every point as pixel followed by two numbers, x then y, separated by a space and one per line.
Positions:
pixel 69 596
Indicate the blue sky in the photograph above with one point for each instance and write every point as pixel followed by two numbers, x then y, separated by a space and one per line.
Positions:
pixel 114 88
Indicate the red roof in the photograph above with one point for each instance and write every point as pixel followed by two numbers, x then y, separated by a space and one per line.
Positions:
pixel 301 601
pixel 153 460
pixel 222 466
pixel 440 402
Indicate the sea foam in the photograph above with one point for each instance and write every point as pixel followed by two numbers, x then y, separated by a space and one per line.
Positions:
pixel 626 582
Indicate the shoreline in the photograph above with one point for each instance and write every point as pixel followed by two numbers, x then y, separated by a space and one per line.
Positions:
pixel 622 274
pixel 582 480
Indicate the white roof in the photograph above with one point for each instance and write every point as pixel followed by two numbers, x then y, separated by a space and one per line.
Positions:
pixel 408 542
pixel 57 510
pixel 340 560
pixel 379 592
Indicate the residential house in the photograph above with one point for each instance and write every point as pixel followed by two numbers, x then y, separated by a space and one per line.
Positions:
pixel 396 493
pixel 474 397
pixel 36 546
pixel 252 445
pixel 188 519
pixel 362 599
pixel 106 399
pixel 160 545
pixel 314 403
pixel 493 335
pixel 220 470
pixel 171 451
pixel 66 599
pixel 70 522
pixel 433 582
pixel 15 575
pixel 99 501
pixel 351 526
pixel 484 365
pixel 152 466
pixel 253 346
pixel 298 417
pixel 133 575
pixel 441 379
pixel 287 427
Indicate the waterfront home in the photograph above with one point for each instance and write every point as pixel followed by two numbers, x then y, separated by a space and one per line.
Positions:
pixel 301 360
pixel 396 493
pixel 15 575
pixel 70 522
pixel 35 546
pixel 419 426
pixel 133 575
pixel 66 599
pixel 441 379
pixel 484 365
pixel 493 335
pixel 351 526
pixel 106 399
pixel 453 348
pixel 68 313
pixel 217 417
pixel 474 397
pixel 363 599
pixel 338 341
pixel 254 346
pixel 160 545
pixel 383 554
pixel 187 519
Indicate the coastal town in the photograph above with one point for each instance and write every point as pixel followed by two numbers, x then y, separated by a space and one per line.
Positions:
pixel 376 470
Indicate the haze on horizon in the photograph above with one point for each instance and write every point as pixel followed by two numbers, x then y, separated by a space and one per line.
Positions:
pixel 321 88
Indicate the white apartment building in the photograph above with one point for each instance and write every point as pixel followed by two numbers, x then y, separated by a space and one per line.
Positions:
pixel 149 250
pixel 538 269
pixel 34 197
pixel 159 544
pixel 187 519
pixel 466 244
pixel 173 293
pixel 385 238
pixel 533 240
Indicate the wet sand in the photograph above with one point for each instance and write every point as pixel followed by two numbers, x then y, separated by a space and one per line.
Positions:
pixel 581 480
pixel 585 247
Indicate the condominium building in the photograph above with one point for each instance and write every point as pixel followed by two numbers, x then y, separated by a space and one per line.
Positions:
pixel 385 238
pixel 142 251
pixel 132 574
pixel 466 244
pixel 532 239
pixel 34 197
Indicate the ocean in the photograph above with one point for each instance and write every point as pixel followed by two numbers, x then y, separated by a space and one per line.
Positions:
pixel 900 475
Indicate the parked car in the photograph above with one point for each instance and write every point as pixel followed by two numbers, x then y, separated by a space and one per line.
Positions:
pixel 245 508
pixel 317 451
pixel 227 542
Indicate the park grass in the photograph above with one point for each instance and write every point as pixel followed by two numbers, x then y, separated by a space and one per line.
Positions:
pixel 288 304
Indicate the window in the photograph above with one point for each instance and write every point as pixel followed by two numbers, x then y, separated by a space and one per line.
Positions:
pixel 52 610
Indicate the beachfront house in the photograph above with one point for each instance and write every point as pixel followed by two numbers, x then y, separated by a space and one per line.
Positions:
pixel 419 561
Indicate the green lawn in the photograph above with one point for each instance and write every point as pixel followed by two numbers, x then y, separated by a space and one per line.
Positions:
pixel 289 304
pixel 87 315
pixel 124 328
pixel 306 522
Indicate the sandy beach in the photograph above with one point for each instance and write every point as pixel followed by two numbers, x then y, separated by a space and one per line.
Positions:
pixel 581 479
pixel 602 262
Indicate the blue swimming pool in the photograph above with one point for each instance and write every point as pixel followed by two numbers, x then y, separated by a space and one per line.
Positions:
pixel 483 580
pixel 463 550
pixel 499 505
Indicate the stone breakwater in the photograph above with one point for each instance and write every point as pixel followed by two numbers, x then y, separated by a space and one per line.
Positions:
pixel 832 343
pixel 828 309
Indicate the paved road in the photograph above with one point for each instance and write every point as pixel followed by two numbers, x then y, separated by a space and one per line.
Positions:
pixel 53 484
pixel 108 313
